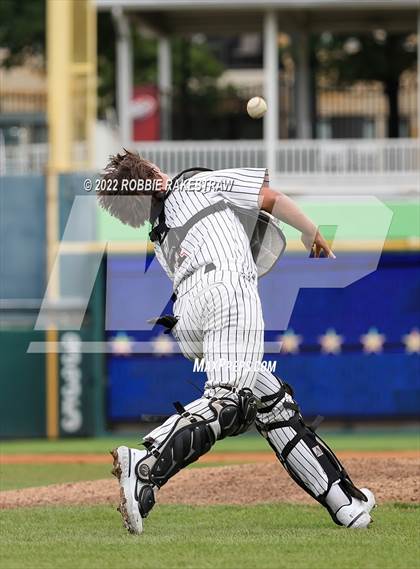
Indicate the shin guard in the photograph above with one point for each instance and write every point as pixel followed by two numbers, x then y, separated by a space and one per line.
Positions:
pixel 191 435
pixel 305 456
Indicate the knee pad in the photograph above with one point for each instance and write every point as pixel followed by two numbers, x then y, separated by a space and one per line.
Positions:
pixel 235 415
pixel 192 436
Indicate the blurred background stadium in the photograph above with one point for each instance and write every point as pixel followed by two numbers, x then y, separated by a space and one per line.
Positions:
pixel 80 79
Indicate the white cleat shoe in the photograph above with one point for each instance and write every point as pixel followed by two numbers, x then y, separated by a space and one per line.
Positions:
pixel 125 460
pixel 357 514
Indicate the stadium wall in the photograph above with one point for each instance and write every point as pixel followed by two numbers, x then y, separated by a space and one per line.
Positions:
pixel 120 387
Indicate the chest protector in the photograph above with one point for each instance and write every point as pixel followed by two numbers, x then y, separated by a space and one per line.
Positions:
pixel 266 239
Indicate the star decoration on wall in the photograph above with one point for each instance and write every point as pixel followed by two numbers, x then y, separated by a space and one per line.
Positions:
pixel 373 341
pixel 122 344
pixel 289 342
pixel 412 341
pixel 331 342
pixel 162 345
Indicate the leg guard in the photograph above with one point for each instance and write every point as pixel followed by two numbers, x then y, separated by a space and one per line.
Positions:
pixel 192 435
pixel 306 457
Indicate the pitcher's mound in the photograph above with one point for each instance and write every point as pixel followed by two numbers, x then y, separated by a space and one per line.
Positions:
pixel 391 479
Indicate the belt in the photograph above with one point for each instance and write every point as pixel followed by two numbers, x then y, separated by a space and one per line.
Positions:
pixel 207 268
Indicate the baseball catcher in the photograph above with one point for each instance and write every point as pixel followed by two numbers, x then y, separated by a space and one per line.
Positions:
pixel 215 233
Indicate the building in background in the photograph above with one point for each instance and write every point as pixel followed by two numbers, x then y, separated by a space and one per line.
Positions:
pixel 23 102
pixel 280 53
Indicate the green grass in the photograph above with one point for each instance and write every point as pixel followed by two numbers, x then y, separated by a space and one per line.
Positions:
pixel 13 476
pixel 214 537
pixel 269 536
pixel 246 443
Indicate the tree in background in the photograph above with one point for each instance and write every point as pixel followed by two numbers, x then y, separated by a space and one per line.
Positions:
pixel 195 68
pixel 378 56
pixel 23 37
pixel 22 30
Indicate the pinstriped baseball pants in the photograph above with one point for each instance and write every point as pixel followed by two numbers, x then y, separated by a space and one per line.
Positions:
pixel 220 319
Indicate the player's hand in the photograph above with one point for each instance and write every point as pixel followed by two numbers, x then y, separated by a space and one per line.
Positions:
pixel 317 245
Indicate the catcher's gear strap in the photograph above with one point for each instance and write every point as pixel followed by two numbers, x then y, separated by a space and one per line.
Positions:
pixel 275 398
pixel 160 231
pixel 192 436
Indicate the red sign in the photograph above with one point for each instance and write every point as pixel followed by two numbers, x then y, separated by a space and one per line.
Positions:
pixel 145 113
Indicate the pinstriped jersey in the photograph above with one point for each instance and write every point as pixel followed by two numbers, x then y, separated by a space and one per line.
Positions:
pixel 218 238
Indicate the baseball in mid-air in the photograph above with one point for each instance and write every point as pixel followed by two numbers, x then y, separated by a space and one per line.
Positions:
pixel 256 107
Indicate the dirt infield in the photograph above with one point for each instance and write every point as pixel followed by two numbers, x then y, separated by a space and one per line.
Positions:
pixel 394 477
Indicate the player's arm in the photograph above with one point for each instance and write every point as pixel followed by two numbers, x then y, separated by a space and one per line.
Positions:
pixel 286 210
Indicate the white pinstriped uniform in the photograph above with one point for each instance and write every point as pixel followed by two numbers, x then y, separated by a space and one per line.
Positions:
pixel 218 238
pixel 220 315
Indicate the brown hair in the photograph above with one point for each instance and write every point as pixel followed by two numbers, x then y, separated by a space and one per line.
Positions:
pixel 114 198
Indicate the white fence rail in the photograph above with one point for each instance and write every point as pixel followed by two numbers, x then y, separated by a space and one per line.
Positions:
pixel 23 159
pixel 28 159
pixel 389 165
pixel 175 156
pixel 293 157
